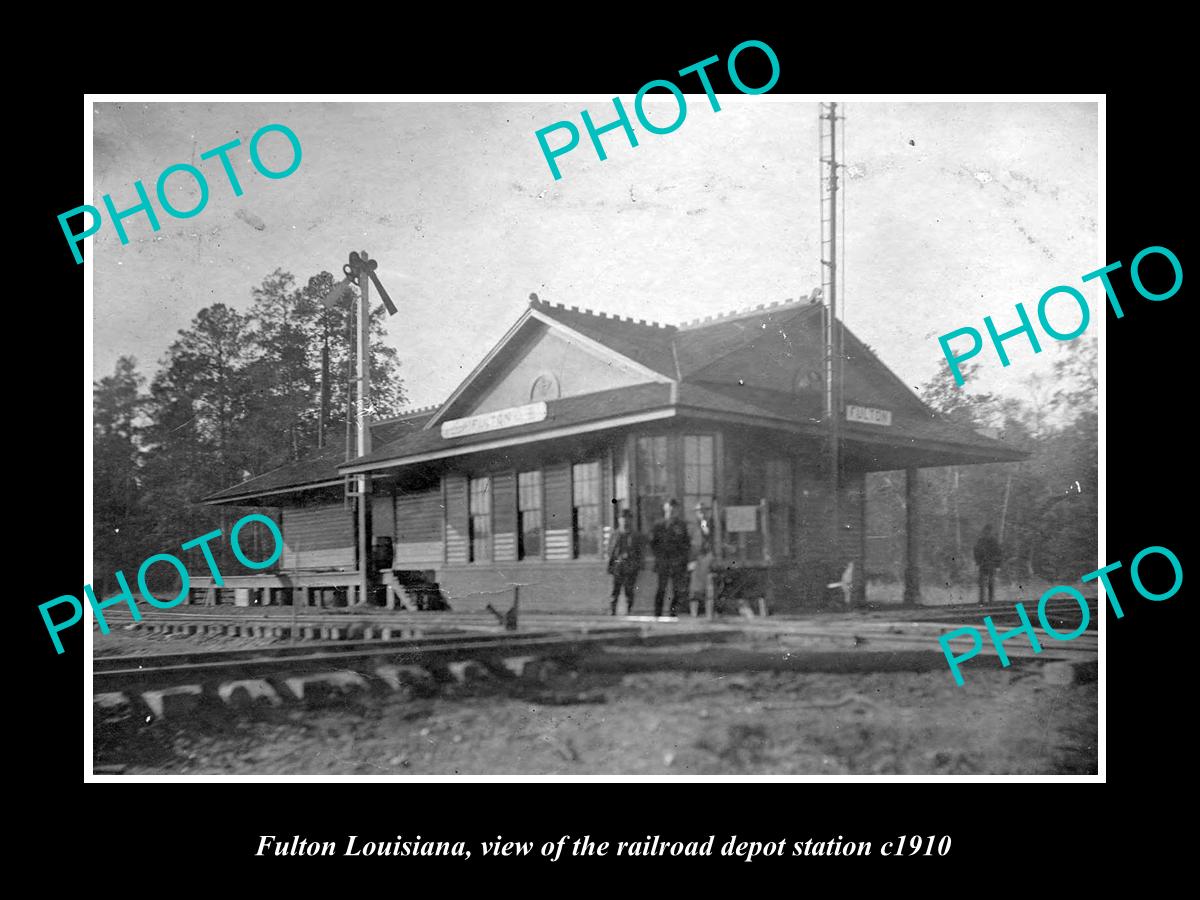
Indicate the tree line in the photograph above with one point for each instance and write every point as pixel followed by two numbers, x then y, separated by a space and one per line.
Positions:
pixel 236 395
pixel 1044 510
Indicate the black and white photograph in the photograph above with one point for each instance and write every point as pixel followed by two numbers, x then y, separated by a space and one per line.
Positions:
pixel 534 437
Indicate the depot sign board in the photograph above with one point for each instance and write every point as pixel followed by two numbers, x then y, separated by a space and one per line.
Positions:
pixel 868 416
pixel 494 421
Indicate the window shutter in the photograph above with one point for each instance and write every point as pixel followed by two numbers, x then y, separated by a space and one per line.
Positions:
pixel 456 518
pixel 504 517
pixel 558 511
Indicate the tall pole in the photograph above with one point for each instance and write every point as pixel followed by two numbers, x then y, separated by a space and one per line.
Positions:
pixel 349 385
pixel 364 368
pixel 833 367
pixel 364 435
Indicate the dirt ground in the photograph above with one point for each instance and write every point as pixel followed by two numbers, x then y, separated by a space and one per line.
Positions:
pixel 1002 721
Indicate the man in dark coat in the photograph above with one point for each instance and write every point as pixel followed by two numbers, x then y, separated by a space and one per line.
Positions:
pixel 988 557
pixel 672 547
pixel 625 560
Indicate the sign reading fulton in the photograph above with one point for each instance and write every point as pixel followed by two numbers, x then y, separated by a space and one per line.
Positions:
pixel 520 475
pixel 501 418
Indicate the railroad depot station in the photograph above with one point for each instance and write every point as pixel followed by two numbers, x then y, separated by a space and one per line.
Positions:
pixel 519 476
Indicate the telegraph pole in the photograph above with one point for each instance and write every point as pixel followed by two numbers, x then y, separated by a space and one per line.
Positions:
pixel 364 437
pixel 833 355
pixel 360 270
pixel 349 385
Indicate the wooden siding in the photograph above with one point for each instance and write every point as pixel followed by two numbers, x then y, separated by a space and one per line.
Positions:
pixel 319 537
pixel 547 587
pixel 383 515
pixel 851 497
pixel 426 554
pixel 504 547
pixel 811 512
pixel 419 528
pixel 558 513
pixel 457 518
pixel 558 543
pixel 557 485
pixel 419 517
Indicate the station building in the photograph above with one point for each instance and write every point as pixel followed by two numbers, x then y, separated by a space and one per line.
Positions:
pixel 519 476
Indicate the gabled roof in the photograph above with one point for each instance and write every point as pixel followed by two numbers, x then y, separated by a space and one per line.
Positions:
pixel 624 343
pixel 700 343
pixel 680 351
pixel 646 343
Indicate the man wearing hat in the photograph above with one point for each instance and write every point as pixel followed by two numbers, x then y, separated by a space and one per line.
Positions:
pixel 625 560
pixel 672 547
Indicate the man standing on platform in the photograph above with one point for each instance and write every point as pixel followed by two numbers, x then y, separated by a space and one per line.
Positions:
pixel 672 547
pixel 702 564
pixel 988 557
pixel 625 561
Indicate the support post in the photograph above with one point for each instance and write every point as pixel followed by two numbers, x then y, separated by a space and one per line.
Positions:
pixel 365 563
pixel 833 374
pixel 912 556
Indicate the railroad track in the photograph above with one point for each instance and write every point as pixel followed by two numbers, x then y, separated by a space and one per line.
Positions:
pixel 357 651
pixel 1063 614
pixel 1059 610
pixel 892 626
pixel 173 684
pixel 370 627
pixel 900 630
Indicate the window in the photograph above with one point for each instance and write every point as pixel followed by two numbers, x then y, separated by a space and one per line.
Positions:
pixel 653 481
pixel 480 508
pixel 749 489
pixel 698 479
pixel 587 494
pixel 620 486
pixel 529 515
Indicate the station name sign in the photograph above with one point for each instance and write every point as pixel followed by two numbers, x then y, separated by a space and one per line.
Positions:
pixel 868 415
pixel 741 518
pixel 493 421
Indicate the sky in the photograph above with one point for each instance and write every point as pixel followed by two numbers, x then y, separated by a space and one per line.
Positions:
pixel 953 211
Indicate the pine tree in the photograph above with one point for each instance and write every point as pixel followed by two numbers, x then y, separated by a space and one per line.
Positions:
pixel 236 395
pixel 196 442
pixel 119 516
